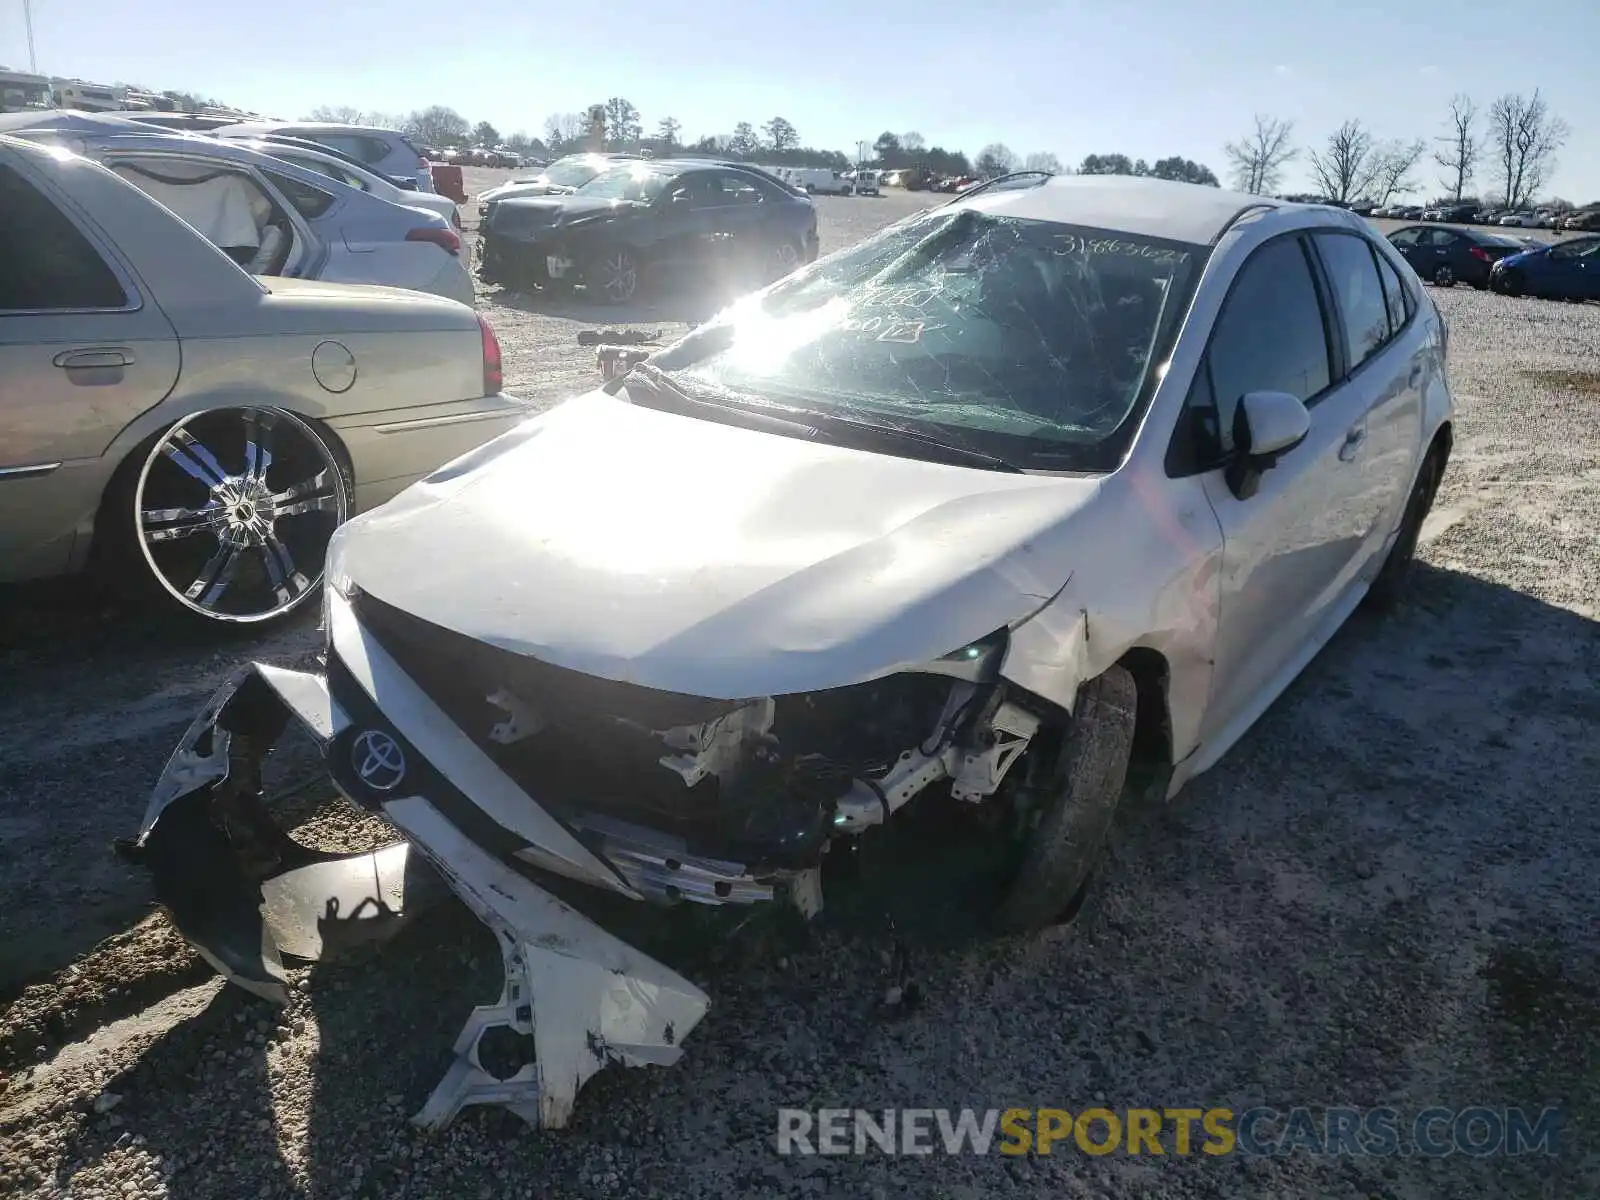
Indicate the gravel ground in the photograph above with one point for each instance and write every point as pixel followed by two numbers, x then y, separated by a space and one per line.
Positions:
pixel 1384 895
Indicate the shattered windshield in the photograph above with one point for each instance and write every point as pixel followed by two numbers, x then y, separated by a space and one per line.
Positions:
pixel 1031 340
pixel 632 182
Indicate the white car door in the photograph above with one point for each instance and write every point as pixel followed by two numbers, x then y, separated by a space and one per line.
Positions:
pixel 1386 365
pixel 1286 547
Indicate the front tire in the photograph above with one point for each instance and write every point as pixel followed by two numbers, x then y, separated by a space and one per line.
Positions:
pixel 613 275
pixel 1063 838
pixel 226 516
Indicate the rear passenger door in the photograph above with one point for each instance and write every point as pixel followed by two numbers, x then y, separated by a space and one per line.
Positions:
pixel 1285 548
pixel 83 351
pixel 1385 367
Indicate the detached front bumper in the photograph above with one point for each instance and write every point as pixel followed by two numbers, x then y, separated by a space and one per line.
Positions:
pixel 515 262
pixel 247 896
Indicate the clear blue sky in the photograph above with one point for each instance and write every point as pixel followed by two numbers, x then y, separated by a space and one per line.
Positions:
pixel 1149 79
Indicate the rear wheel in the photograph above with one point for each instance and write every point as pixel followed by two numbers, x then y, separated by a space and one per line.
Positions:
pixel 1063 822
pixel 1444 276
pixel 227 515
pixel 1389 588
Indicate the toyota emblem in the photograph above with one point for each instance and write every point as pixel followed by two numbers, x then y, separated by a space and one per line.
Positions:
pixel 378 760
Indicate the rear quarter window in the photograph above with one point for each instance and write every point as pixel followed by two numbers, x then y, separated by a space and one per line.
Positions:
pixel 308 201
pixel 45 260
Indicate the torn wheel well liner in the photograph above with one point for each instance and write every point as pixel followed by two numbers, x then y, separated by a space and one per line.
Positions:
pixel 1152 734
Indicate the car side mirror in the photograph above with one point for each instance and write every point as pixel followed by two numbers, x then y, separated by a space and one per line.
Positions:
pixel 1266 426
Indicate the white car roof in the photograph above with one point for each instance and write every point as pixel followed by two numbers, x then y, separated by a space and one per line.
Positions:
pixel 68 120
pixel 1158 208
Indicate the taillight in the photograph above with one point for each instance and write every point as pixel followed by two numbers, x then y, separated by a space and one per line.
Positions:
pixel 446 238
pixel 1479 253
pixel 493 370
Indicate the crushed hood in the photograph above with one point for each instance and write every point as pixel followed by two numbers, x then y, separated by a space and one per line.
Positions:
pixel 685 555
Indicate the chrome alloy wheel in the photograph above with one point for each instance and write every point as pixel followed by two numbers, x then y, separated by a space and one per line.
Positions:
pixel 233 510
pixel 785 258
pixel 618 276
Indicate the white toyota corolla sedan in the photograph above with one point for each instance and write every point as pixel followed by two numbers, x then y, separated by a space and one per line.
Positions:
pixel 1035 499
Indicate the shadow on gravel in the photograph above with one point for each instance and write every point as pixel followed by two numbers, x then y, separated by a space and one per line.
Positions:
pixel 1377 898
pixel 95 695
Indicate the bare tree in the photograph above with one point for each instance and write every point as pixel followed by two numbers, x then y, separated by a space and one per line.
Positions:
pixel 1461 146
pixel 562 130
pixel 1346 168
pixel 996 159
pixel 338 114
pixel 913 142
pixel 1042 160
pixel 1257 160
pixel 622 122
pixel 1524 137
pixel 781 134
pixel 667 132
pixel 1393 164
pixel 438 126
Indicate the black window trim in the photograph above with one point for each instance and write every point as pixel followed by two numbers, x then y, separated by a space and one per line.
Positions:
pixel 1388 253
pixel 133 293
pixel 1181 461
pixel 1348 372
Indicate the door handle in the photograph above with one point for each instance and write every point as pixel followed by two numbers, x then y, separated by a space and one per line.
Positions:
pixel 1352 443
pixel 83 360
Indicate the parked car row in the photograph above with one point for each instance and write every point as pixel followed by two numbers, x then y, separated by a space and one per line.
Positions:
pixel 482 156
pixel 1475 214
pixel 612 225
pixel 200 376
pixel 1446 255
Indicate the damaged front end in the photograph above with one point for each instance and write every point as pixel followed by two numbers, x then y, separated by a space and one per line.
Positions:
pixel 501 773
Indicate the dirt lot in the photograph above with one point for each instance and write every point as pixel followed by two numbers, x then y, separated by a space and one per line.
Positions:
pixel 1384 895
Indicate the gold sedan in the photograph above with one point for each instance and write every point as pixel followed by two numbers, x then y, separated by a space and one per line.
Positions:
pixel 191 430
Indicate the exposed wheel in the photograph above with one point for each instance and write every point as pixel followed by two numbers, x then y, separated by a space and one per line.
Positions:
pixel 1443 276
pixel 786 257
pixel 1063 834
pixel 1389 588
pixel 613 276
pixel 228 515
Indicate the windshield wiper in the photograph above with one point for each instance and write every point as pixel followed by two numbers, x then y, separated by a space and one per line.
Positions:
pixel 810 423
pixel 770 417
pixel 955 452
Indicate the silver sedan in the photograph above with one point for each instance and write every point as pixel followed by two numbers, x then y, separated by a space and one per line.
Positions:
pixel 193 431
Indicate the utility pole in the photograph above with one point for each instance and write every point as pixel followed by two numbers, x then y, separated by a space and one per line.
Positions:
pixel 27 22
pixel 861 154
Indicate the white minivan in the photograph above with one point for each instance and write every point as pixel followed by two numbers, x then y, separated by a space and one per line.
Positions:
pixel 820 180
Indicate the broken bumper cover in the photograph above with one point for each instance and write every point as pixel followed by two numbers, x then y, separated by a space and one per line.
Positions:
pixel 247 896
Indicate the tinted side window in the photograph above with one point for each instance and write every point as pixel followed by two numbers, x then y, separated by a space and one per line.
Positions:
pixel 308 201
pixel 363 149
pixel 1270 336
pixel 45 262
pixel 1405 238
pixel 735 189
pixel 1358 294
pixel 1395 296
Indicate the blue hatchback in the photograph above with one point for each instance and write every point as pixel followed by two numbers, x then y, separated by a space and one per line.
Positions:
pixel 1568 270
